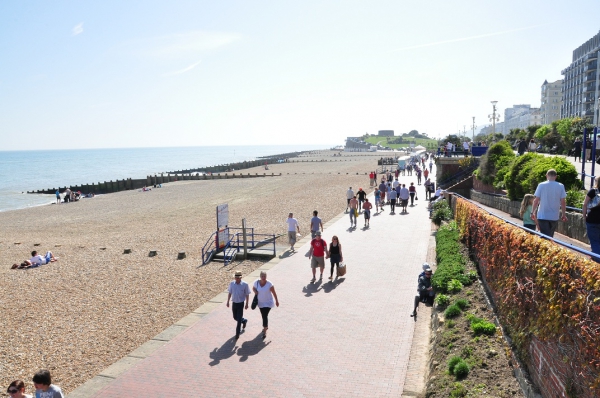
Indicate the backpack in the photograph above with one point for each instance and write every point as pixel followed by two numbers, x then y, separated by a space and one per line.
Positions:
pixel 594 202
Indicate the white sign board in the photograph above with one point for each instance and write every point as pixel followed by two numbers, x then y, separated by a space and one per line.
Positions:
pixel 222 216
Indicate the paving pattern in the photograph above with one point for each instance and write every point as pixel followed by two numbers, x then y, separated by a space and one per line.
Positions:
pixel 348 337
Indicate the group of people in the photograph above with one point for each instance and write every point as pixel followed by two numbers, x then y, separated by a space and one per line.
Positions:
pixel 36 260
pixel 42 381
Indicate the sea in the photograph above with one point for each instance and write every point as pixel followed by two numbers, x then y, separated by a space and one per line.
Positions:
pixel 23 171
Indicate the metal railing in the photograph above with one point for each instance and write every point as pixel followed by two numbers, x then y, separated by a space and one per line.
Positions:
pixel 579 250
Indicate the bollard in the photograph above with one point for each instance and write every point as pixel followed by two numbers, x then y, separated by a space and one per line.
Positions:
pixel 152 253
pixel 127 251
pixel 180 255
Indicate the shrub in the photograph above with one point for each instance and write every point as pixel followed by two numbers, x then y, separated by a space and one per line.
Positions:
pixel 529 170
pixel 455 360
pixel 442 300
pixel 454 286
pixel 450 324
pixel 452 311
pixel 450 260
pixel 484 327
pixel 461 370
pixel 481 326
pixel 462 303
pixel 458 390
pixel 472 275
pixel 441 212
pixel 497 156
pixel 575 197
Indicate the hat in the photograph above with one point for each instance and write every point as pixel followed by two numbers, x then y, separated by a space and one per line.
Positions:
pixel 425 266
pixel 238 273
pixel 428 270
pixel 318 233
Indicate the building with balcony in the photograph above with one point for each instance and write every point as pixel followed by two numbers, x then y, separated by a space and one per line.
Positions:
pixel 551 101
pixel 580 87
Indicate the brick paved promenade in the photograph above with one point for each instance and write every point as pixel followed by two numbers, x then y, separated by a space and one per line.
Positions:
pixel 350 337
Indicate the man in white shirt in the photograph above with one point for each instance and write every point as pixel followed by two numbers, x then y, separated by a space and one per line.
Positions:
pixel 550 199
pixel 293 227
pixel 349 195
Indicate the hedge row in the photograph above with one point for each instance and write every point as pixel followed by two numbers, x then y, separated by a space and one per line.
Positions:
pixel 450 261
pixel 541 289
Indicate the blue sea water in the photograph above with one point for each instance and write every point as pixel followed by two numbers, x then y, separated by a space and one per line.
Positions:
pixel 22 171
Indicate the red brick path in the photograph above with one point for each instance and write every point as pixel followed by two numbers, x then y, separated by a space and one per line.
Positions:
pixel 350 337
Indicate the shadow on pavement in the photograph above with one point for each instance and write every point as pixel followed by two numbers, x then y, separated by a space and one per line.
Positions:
pixel 311 288
pixel 287 253
pixel 329 286
pixel 227 350
pixel 251 347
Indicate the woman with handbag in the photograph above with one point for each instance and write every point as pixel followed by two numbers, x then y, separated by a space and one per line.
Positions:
pixel 335 254
pixel 265 291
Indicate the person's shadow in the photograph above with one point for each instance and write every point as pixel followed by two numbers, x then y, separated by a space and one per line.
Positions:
pixel 329 286
pixel 251 347
pixel 227 350
pixel 287 253
pixel 311 288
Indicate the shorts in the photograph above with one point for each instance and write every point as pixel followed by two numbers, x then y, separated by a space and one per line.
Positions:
pixel 317 262
pixel 404 202
pixel 292 237
pixel 367 214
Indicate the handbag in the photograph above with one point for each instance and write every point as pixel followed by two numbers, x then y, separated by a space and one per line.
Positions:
pixel 341 271
pixel 255 299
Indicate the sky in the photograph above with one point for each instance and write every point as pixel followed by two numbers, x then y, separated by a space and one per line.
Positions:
pixel 113 74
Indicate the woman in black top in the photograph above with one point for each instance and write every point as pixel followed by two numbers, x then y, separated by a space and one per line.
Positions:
pixel 335 254
pixel 591 215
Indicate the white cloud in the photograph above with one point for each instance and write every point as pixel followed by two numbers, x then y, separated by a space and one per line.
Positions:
pixel 77 29
pixel 465 38
pixel 181 45
pixel 186 69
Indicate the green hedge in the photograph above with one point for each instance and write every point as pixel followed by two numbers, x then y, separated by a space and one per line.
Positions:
pixel 450 261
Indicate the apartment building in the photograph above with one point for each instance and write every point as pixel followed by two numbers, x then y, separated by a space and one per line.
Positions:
pixel 551 101
pixel 521 117
pixel 580 88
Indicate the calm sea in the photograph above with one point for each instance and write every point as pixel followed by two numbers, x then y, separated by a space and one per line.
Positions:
pixel 22 171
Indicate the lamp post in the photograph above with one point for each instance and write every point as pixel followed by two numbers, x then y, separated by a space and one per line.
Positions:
pixel 474 128
pixel 493 117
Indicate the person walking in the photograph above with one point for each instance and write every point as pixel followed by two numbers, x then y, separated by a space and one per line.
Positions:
pixel 550 200
pixel 361 195
pixel 532 146
pixel 315 224
pixel 238 293
pixel 349 196
pixel 353 210
pixel 335 255
pixel 418 176
pixel 525 212
pixel 293 227
pixel 316 255
pixel 265 292
pixel 377 199
pixel 404 195
pixel 577 149
pixel 427 188
pixel 591 216
pixel 412 190
pixel 367 212
pixel 522 147
pixel 392 196
pixel 371 179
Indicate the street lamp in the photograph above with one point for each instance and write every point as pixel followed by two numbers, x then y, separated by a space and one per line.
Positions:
pixel 474 128
pixel 493 117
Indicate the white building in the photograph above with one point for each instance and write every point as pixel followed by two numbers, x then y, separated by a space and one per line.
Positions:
pixel 520 117
pixel 551 101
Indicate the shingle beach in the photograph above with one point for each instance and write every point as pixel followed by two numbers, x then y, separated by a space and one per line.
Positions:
pixel 77 316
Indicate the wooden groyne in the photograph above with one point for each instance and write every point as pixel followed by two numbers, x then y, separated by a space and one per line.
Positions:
pixel 149 181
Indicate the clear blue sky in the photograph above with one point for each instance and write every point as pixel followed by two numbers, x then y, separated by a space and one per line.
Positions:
pixel 103 74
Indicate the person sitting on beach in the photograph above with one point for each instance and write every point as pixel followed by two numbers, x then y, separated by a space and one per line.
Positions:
pixel 16 389
pixel 37 260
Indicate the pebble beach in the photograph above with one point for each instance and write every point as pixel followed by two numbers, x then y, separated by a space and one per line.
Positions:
pixel 96 304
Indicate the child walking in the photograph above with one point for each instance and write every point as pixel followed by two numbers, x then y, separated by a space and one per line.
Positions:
pixel 525 212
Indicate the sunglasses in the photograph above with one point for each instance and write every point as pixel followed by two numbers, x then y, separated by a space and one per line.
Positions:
pixel 12 391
